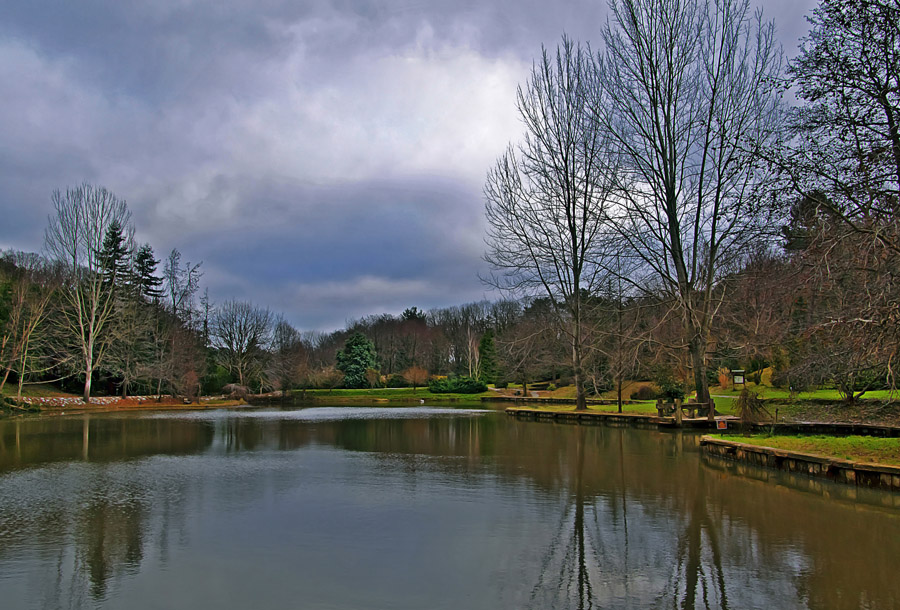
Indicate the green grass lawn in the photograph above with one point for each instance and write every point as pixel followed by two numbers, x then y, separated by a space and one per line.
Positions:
pixel 400 395
pixel 38 390
pixel 770 392
pixel 370 393
pixel 859 448
pixel 643 407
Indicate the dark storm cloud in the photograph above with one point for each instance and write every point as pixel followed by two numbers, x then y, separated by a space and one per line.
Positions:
pixel 324 158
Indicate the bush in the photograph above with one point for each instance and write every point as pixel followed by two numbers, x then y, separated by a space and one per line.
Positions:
pixel 750 407
pixel 797 380
pixel 755 377
pixel 669 387
pixel 397 381
pixel 457 385
pixel 551 387
pixel 645 392
pixel 501 385
pixel 723 378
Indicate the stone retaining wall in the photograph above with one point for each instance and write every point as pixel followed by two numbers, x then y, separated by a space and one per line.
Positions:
pixel 595 417
pixel 878 476
pixel 106 401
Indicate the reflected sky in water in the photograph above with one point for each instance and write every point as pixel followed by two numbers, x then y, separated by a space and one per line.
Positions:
pixel 418 508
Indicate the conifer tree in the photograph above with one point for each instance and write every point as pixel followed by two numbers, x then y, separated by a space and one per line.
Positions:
pixel 487 353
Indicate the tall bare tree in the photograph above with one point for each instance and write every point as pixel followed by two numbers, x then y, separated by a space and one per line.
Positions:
pixel 74 238
pixel 180 284
pixel 843 169
pixel 33 283
pixel 288 356
pixel 689 103
pixel 547 198
pixel 846 154
pixel 241 333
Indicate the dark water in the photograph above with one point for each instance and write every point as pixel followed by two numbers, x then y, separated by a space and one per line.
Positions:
pixel 417 509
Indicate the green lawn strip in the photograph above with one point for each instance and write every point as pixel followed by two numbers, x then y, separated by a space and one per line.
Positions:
pixel 37 390
pixel 370 393
pixel 770 392
pixel 868 449
pixel 640 408
pixel 402 396
pixel 635 408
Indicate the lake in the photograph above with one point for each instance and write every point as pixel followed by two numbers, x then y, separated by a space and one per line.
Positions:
pixel 418 508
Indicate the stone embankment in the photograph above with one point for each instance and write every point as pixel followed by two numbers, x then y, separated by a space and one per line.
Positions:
pixel 56 402
pixel 630 419
pixel 878 476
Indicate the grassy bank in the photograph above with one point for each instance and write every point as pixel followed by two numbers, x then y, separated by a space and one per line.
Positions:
pixel 401 396
pixel 647 407
pixel 866 449
pixel 637 408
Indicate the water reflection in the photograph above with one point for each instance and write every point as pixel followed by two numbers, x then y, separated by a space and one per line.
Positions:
pixel 451 510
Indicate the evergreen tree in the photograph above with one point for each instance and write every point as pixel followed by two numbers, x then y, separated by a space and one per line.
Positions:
pixel 146 283
pixel 114 256
pixel 357 357
pixel 487 355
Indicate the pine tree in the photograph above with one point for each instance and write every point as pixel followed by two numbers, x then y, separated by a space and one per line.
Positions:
pixel 146 283
pixel 357 357
pixel 487 354
pixel 114 257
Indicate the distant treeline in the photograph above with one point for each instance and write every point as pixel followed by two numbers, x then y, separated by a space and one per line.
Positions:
pixel 666 217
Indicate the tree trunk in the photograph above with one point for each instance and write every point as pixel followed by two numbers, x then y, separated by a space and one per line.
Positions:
pixel 87 385
pixel 697 348
pixel 88 368
pixel 619 389
pixel 580 397
pixel 3 381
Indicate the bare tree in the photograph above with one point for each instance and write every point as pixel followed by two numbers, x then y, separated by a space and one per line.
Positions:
pixel 846 151
pixel 181 282
pixel 74 238
pixel 416 375
pixel 615 341
pixel 33 283
pixel 547 198
pixel 288 356
pixel 689 103
pixel 844 165
pixel 241 332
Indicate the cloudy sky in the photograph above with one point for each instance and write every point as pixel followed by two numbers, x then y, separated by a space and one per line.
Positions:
pixel 324 158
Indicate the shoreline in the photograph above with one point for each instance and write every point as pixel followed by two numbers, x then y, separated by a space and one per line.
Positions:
pixel 851 472
pixel 822 465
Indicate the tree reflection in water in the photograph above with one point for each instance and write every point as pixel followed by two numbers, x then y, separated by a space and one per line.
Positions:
pixel 580 516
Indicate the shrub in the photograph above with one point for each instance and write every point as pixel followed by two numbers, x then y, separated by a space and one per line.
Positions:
pixel 501 385
pixel 457 385
pixel 723 376
pixel 755 377
pixel 796 380
pixel 397 381
pixel 670 388
pixel 750 407
pixel 551 387
pixel 645 392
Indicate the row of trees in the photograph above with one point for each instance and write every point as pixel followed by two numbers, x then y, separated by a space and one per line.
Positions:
pixel 664 163
pixel 665 215
pixel 95 305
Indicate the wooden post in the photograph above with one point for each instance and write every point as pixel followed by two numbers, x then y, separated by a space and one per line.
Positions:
pixel 712 409
pixel 678 413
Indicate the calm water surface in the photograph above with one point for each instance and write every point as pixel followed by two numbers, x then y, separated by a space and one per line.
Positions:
pixel 340 508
